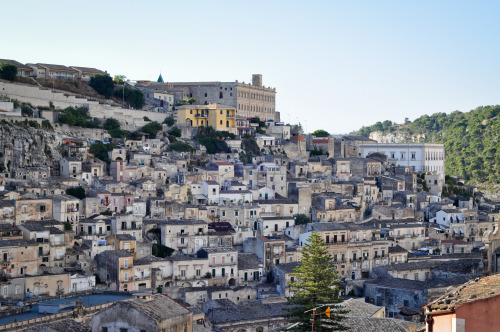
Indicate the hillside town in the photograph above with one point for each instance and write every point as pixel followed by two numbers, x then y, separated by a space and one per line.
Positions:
pixel 199 224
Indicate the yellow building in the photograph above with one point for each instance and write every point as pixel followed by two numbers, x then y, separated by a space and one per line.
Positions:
pixel 217 116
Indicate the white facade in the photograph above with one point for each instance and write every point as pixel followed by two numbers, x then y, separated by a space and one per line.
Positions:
pixel 424 157
pixel 81 283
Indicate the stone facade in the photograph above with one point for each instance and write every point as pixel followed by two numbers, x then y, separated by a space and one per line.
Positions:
pixel 250 100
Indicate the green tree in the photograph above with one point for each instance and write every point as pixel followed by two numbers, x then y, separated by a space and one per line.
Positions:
pixel 180 147
pixel 100 150
pixel 316 284
pixel 152 129
pixel 191 101
pixel 119 79
pixel 111 124
pixel 78 192
pixel 8 71
pixel 103 84
pixel 26 111
pixel 169 121
pixel 301 219
pixel 321 133
pixel 176 132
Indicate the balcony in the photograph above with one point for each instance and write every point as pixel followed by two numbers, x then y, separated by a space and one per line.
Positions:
pixel 224 264
pixel 230 116
pixel 126 268
pixel 182 245
pixel 60 258
pixel 183 234
pixel 336 243
pixel 203 116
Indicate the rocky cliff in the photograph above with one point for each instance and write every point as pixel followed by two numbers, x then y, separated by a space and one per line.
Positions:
pixel 22 145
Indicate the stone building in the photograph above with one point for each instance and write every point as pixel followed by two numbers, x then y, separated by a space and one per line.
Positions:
pixel 250 100
pixel 145 312
pixel 221 118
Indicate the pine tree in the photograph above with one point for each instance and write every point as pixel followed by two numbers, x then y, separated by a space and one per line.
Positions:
pixel 316 285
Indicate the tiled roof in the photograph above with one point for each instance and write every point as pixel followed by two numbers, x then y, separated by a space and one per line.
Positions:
pixel 248 261
pixel 398 283
pixel 396 249
pixel 288 267
pixel 246 312
pixel 474 290
pixel 159 308
pixel 370 324
pixel 358 307
pixel 60 326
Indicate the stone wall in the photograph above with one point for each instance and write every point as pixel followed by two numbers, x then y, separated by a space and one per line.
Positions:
pixel 79 132
pixel 41 96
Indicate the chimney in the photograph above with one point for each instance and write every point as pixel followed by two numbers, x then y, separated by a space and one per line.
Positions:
pixel 257 80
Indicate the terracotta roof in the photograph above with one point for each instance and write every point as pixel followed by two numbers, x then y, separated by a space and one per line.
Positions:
pixel 474 290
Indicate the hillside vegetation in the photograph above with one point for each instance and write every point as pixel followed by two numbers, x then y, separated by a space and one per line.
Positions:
pixel 471 140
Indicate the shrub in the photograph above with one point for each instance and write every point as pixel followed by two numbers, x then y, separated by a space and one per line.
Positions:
pixel 8 71
pixel 181 147
pixel 169 121
pixel 78 192
pixel 152 129
pixel 176 132
pixel 26 111
pixel 103 84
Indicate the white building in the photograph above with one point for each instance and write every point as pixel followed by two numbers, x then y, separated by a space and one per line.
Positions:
pixel 81 283
pixel 423 156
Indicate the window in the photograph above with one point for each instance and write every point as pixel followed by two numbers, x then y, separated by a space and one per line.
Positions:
pixel 42 208
pixel 104 329
pixel 125 262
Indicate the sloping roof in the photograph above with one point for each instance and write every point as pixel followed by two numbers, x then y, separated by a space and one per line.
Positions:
pixel 248 261
pixel 474 290
pixel 288 267
pixel 246 312
pixel 88 70
pixel 55 67
pixel 358 307
pixel 60 326
pixel 15 63
pixel 395 249
pixel 159 307
pixel 370 324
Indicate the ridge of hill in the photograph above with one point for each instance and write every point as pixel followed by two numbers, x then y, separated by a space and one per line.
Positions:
pixel 471 140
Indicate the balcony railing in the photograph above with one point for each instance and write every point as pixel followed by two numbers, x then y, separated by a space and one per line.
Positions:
pixel 336 243
pixel 183 234
pixel 223 264
pixel 201 116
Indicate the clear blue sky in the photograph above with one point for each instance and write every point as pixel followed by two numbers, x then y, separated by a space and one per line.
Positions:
pixel 337 65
